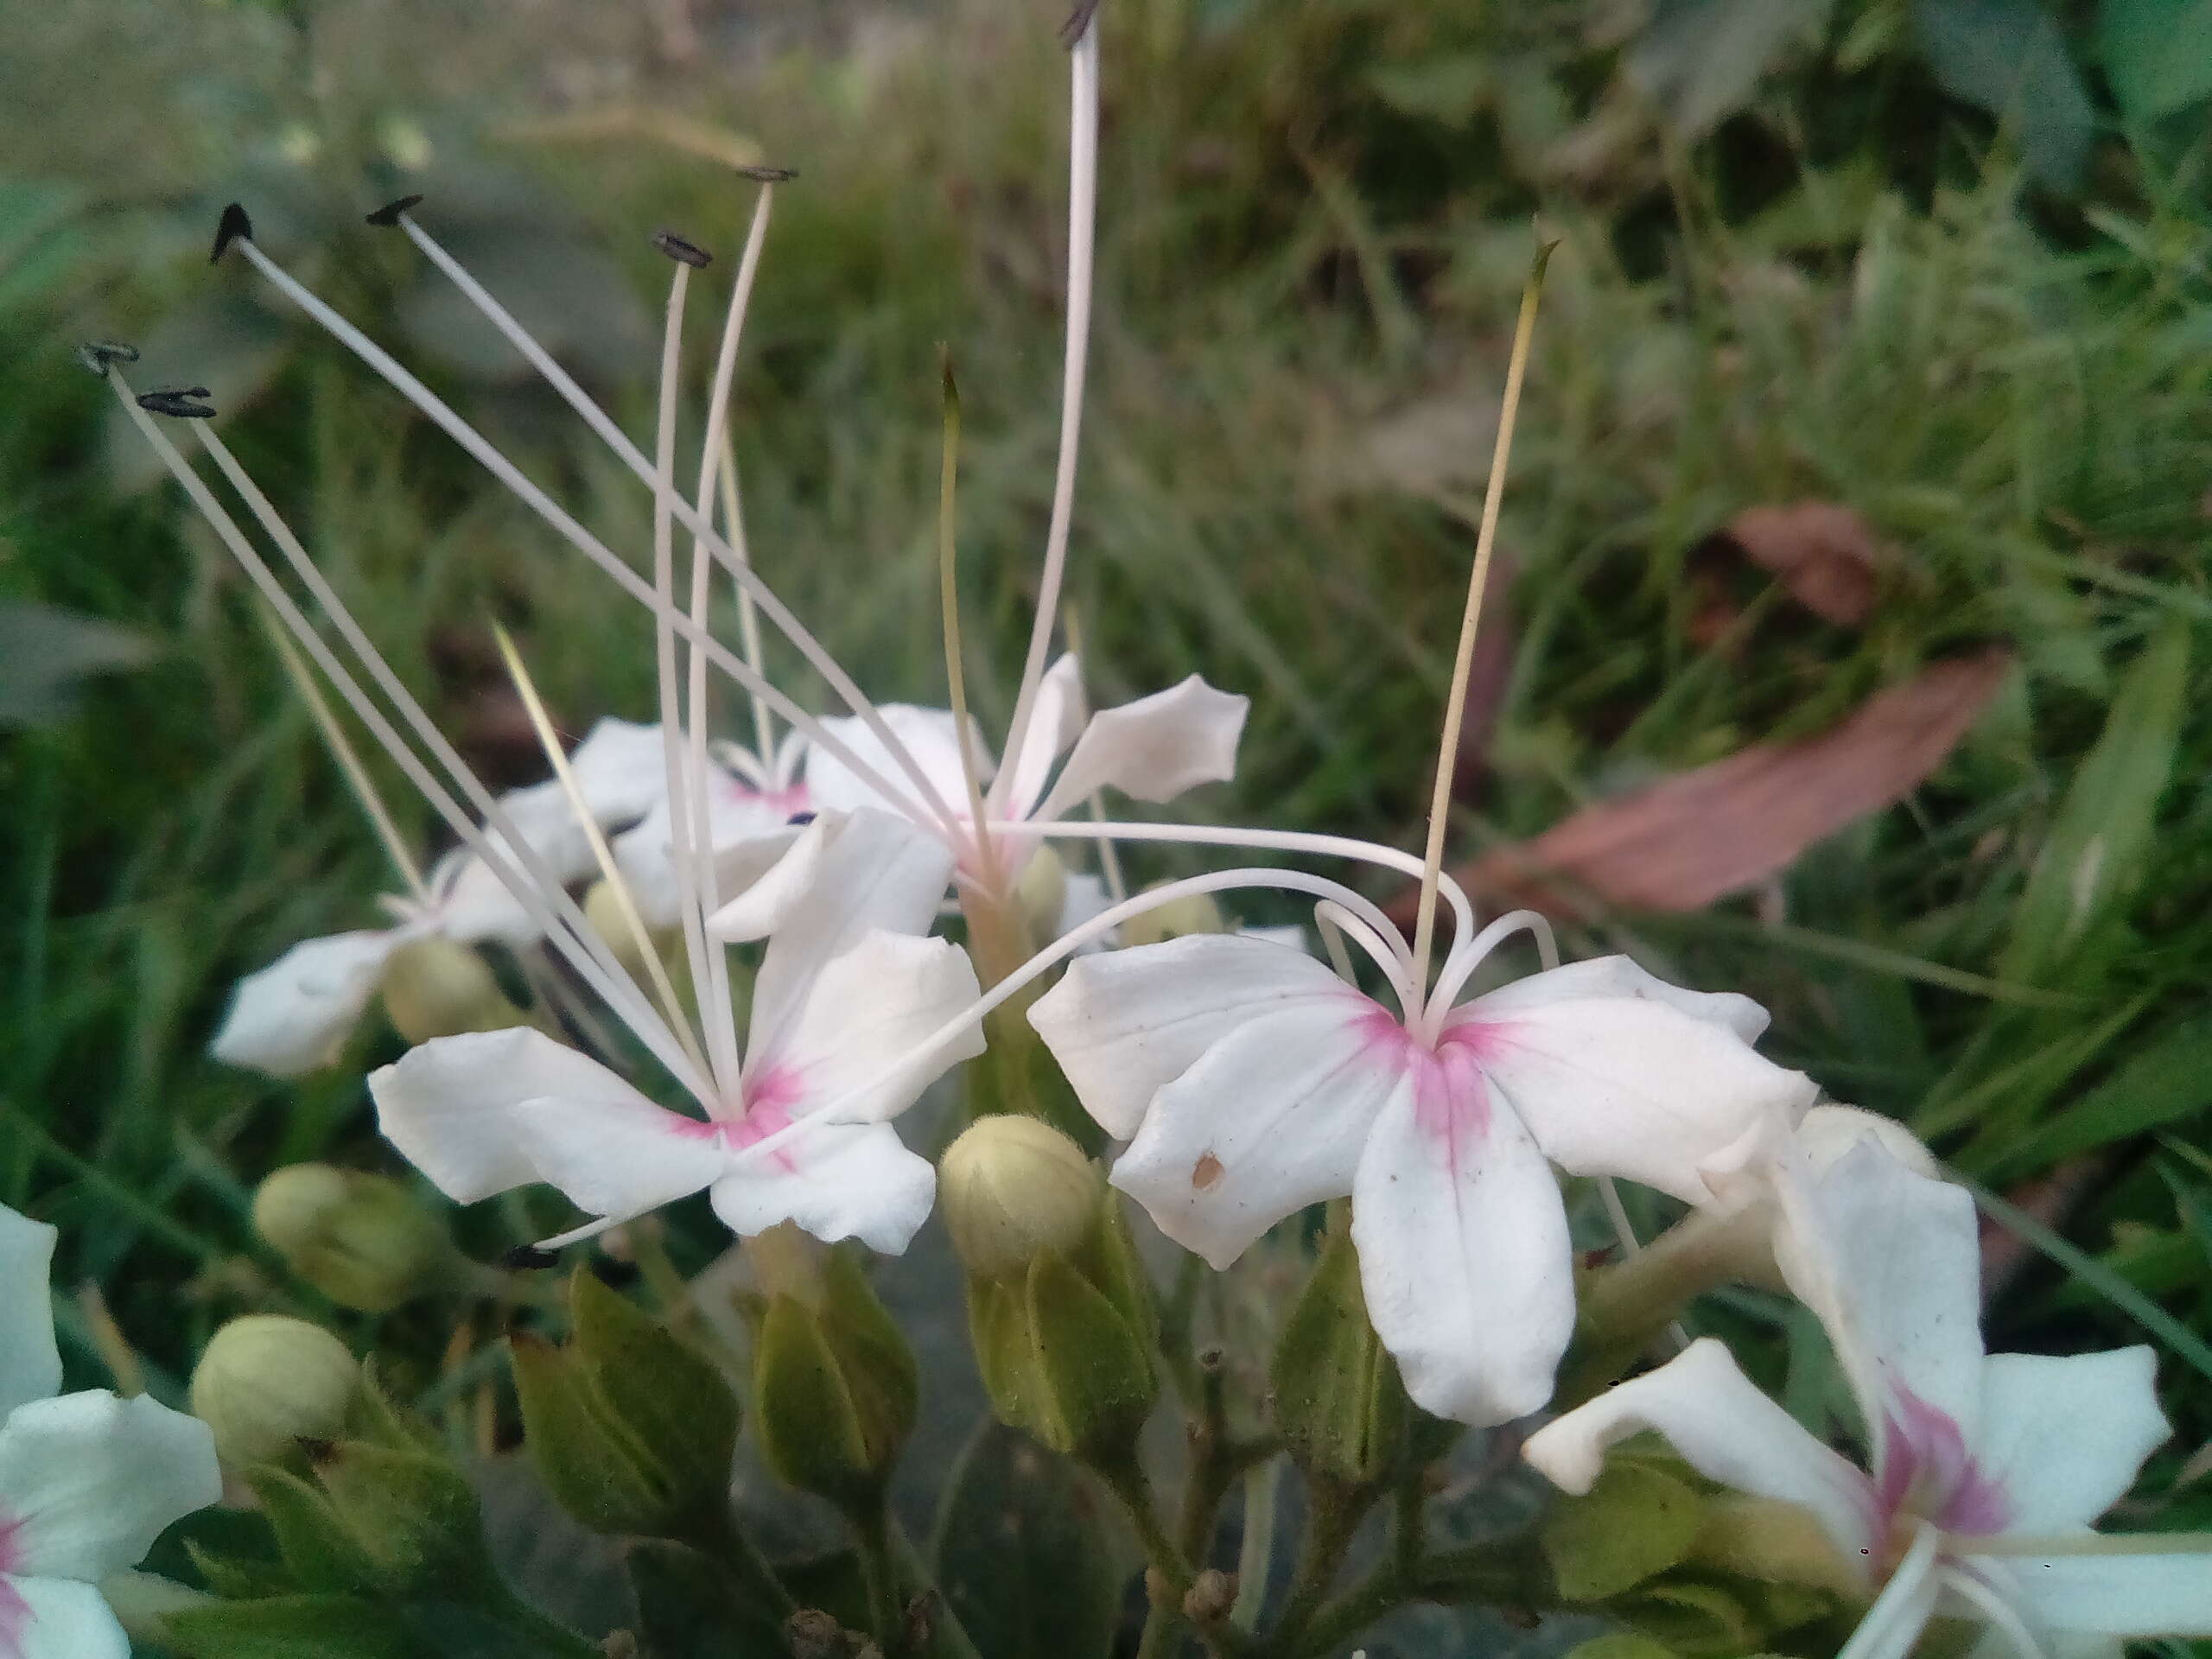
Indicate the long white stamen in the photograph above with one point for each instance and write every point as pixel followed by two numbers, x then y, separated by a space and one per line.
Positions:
pixel 634 458
pixel 341 750
pixel 547 905
pixel 1999 1612
pixel 956 672
pixel 748 614
pixel 1082 213
pixel 1328 922
pixel 1469 953
pixel 1900 1613
pixel 564 524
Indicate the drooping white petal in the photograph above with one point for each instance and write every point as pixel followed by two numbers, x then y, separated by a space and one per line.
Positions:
pixel 2152 1592
pixel 1153 748
pixel 91 1479
pixel 1055 719
pixel 750 834
pixel 446 1104
pixel 930 736
pixel 617 1157
pixel 857 1024
pixel 297 1013
pixel 852 1180
pixel 873 873
pixel 1269 1120
pixel 1627 1085
pixel 759 908
pixel 1464 1252
pixel 1620 976
pixel 30 1368
pixel 1711 1413
pixel 2062 1438
pixel 1890 1262
pixel 620 769
pixel 57 1618
pixel 475 903
pixel 1125 1024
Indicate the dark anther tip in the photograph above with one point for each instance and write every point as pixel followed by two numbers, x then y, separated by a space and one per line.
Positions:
pixel 800 820
pixel 525 1257
pixel 388 215
pixel 98 355
pixel 768 175
pixel 684 253
pixel 233 226
pixel 1079 20
pixel 179 402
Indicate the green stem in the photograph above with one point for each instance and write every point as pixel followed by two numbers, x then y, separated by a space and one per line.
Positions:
pixel 952 1635
pixel 872 1535
pixel 716 1535
pixel 1338 1510
pixel 1499 1575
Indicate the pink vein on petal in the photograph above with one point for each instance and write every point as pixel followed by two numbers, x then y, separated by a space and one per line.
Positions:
pixel 1925 1464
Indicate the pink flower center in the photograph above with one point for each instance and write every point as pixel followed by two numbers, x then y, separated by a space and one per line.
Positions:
pixel 1452 1097
pixel 1928 1473
pixel 769 1096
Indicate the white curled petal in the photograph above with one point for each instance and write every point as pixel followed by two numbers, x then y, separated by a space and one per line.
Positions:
pixel 620 769
pixel 840 1180
pixel 447 1104
pixel 1270 1119
pixel 2062 1438
pixel 30 1367
pixel 749 833
pixel 1054 721
pixel 759 909
pixel 1619 977
pixel 1628 1086
pixel 855 1036
pixel 297 1013
pixel 1464 1252
pixel 477 905
pixel 617 1157
pixel 1890 1262
pixel 57 1618
pixel 91 1479
pixel 1711 1413
pixel 931 738
pixel 2109 1593
pixel 1125 1024
pixel 1153 748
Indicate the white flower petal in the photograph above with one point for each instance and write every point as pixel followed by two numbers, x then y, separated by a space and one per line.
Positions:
pixel 1627 1085
pixel 1893 1625
pixel 750 833
pixel 874 873
pixel 2064 1438
pixel 1054 721
pixel 1462 1246
pixel 930 737
pixel 869 1009
pixel 91 1479
pixel 842 1180
pixel 1890 1262
pixel 1711 1413
pixel 57 1618
pixel 30 1368
pixel 475 905
pixel 760 908
pixel 297 1013
pixel 1153 748
pixel 1269 1120
pixel 1125 1024
pixel 617 1157
pixel 620 769
pixel 1619 977
pixel 446 1104
pixel 2156 1592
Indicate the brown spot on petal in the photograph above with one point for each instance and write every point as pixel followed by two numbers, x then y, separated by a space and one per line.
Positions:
pixel 1205 1174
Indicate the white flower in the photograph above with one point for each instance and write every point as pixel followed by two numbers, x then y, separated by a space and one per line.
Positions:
pixel 1984 1472
pixel 750 803
pixel 87 1481
pixel 297 1013
pixel 1256 1082
pixel 846 991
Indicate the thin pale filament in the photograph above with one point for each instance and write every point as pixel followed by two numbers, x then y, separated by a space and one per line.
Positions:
pixel 1455 701
pixel 1327 924
pixel 1469 953
pixel 948 582
pixel 1082 213
pixel 1900 1613
pixel 1997 1612
pixel 1110 856
pixel 748 615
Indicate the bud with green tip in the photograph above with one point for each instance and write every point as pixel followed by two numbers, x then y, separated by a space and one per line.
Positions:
pixel 1012 1188
pixel 266 1382
pixel 1338 1404
pixel 835 1388
pixel 631 1430
pixel 362 1240
pixel 437 987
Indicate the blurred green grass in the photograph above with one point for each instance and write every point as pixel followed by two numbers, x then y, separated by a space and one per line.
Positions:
pixel 1313 235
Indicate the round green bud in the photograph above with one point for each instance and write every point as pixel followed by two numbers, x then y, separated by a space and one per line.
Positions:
pixel 1012 1188
pixel 267 1382
pixel 1194 912
pixel 436 988
pixel 361 1239
pixel 1043 893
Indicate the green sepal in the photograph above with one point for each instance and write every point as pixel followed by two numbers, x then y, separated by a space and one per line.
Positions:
pixel 873 1357
pixel 672 1401
pixel 293 1627
pixel 691 1606
pixel 998 1329
pixel 592 1466
pixel 1096 1377
pixel 1695 1619
pixel 1108 1258
pixel 1636 1522
pixel 809 1427
pixel 416 1519
pixel 1339 1405
pixel 320 1552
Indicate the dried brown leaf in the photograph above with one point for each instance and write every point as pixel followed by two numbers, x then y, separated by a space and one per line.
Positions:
pixel 1824 554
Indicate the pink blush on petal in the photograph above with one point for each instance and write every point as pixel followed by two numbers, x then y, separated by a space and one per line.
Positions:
pixel 1451 1096
pixel 15 1611
pixel 1925 1464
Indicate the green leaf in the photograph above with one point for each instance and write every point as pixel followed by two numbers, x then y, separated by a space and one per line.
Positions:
pixel 1023 1553
pixel 2169 1079
pixel 1698 1621
pixel 293 1627
pixel 2007 57
pixel 416 1516
pixel 1702 60
pixel 1338 1404
pixel 1635 1524
pixel 2157 53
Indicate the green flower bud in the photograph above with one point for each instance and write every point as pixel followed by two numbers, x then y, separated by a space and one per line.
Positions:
pixel 1042 893
pixel 1194 912
pixel 267 1382
pixel 603 910
pixel 1012 1188
pixel 835 1390
pixel 1641 1518
pixel 414 1518
pixel 361 1239
pixel 436 987
pixel 1339 1405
